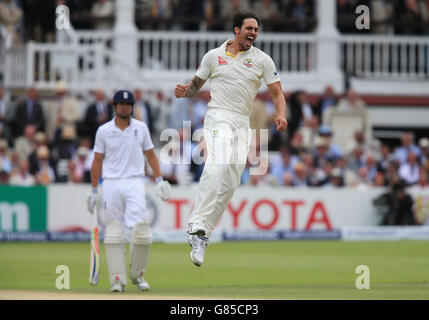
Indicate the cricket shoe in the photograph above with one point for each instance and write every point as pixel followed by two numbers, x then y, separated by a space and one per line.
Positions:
pixel 198 244
pixel 141 283
pixel 194 229
pixel 117 286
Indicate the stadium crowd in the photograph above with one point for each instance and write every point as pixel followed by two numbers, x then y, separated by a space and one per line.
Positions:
pixel 35 19
pixel 50 140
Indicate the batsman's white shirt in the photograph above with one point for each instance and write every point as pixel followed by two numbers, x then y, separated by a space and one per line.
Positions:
pixel 234 83
pixel 123 170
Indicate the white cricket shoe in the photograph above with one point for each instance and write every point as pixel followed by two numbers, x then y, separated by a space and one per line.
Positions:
pixel 141 283
pixel 117 286
pixel 198 244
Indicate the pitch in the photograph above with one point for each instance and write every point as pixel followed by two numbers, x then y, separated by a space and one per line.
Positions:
pixel 231 270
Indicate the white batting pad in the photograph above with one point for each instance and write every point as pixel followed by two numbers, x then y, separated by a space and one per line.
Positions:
pixel 141 241
pixel 115 242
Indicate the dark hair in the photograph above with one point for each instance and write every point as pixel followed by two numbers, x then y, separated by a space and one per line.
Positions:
pixel 238 19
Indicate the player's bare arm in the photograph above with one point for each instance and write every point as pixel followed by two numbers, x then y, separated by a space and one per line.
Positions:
pixel 190 89
pixel 279 101
pixel 97 165
pixel 153 162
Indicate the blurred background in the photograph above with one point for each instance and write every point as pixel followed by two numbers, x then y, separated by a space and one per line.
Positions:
pixel 356 82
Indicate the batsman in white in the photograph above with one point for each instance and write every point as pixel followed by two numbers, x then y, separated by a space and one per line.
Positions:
pixel 235 70
pixel 120 147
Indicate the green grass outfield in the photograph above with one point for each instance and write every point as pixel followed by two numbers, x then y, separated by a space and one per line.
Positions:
pixel 234 270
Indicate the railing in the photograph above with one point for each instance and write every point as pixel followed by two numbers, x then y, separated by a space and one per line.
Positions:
pixel 184 50
pixel 87 60
pixel 390 57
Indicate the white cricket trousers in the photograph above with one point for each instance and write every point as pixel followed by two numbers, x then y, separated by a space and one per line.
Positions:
pixel 124 200
pixel 227 136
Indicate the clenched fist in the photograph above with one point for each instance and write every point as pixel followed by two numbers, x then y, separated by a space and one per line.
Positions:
pixel 180 90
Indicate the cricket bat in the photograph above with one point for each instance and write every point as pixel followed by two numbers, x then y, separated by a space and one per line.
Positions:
pixel 95 250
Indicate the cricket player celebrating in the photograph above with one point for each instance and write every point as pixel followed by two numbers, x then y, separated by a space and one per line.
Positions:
pixel 119 148
pixel 235 70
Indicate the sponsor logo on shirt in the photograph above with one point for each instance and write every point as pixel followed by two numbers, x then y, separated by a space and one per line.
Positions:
pixel 221 61
pixel 248 63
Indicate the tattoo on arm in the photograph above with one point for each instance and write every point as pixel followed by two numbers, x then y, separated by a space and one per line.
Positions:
pixel 194 86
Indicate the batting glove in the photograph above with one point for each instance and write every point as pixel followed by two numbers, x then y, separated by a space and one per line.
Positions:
pixel 162 189
pixel 92 200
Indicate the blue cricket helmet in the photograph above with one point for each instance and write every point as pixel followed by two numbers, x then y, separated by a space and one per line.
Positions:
pixel 123 96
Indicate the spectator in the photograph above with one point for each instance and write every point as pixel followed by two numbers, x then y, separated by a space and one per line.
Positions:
pixel 230 7
pixel 409 171
pixel 27 112
pixel 181 110
pixel 10 16
pixel 102 13
pixel 321 151
pixel 63 151
pixel 40 140
pixel 408 18
pixel 386 157
pixel 309 132
pixel 45 174
pixel 335 179
pixel 4 156
pixel 80 11
pixel 355 160
pixel 97 114
pixel 407 146
pixel 300 175
pixel 423 183
pixel 23 177
pixel 2 113
pixel 379 180
pixel 285 165
pixel 424 151
pixel 297 144
pixel 143 110
pixel 327 101
pixel 399 206
pixel 299 111
pixel 381 13
pixel 268 11
pixel 334 151
pixel 346 16
pixel 391 175
pixel 77 166
pixel 371 166
pixel 299 12
pixel 4 173
pixel 25 145
pixel 351 101
pixel 33 19
pixel 199 109
pixel 212 14
pixel 64 110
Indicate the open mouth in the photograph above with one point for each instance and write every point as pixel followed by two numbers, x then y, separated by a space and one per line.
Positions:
pixel 249 40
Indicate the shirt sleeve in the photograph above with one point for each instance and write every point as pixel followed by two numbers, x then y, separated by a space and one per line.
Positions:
pixel 205 68
pixel 147 140
pixel 269 72
pixel 100 142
